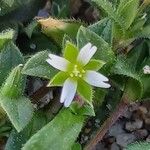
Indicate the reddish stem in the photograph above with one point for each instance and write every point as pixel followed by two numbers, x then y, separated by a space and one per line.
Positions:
pixel 121 108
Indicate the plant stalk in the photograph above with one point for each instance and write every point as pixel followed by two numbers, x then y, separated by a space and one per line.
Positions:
pixel 121 108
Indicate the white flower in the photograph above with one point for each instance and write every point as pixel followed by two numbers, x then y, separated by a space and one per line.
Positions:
pixel 146 69
pixel 77 71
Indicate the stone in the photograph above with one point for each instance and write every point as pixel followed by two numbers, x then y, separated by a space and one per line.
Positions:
pixel 143 109
pixel 148 139
pixel 100 146
pixel 116 129
pixel 141 134
pixel 134 125
pixel 127 114
pixel 87 130
pixel 147 123
pixel 110 140
pixel 134 107
pixel 114 146
pixel 125 138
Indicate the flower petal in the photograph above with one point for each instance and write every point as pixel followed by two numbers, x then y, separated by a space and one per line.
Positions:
pixel 68 92
pixel 58 62
pixel 96 79
pixel 86 53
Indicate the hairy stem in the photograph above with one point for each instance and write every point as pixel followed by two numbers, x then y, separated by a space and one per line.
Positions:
pixel 121 108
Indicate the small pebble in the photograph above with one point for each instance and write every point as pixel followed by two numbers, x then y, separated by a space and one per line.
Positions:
pixel 87 130
pixel 141 134
pixel 134 125
pixel 124 139
pixel 100 146
pixel 148 139
pixel 134 107
pixel 143 109
pixel 111 140
pixel 97 121
pixel 147 123
pixel 116 129
pixel 114 146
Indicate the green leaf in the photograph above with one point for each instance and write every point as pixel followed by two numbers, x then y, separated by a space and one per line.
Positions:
pixel 143 32
pixel 94 65
pixel 71 52
pixel 128 12
pixel 17 107
pixel 14 85
pixel 85 91
pixel 30 28
pixel 103 28
pixel 37 66
pixel 10 57
pixel 9 5
pixel 108 8
pixel 138 146
pixel 16 140
pixel 56 29
pixel 60 133
pixel 133 86
pixel 19 10
pixel 104 51
pixel 76 146
pixel 6 36
pixel 19 111
pixel 58 79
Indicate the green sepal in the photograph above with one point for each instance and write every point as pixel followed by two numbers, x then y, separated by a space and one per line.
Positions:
pixel 58 79
pixel 71 52
pixel 85 110
pixel 85 91
pixel 94 65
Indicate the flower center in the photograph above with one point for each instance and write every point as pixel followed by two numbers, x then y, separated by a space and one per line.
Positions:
pixel 77 72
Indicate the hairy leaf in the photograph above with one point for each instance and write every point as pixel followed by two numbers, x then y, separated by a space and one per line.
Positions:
pixel 60 133
pixel 37 66
pixel 128 12
pixel 103 28
pixel 139 146
pixel 10 57
pixel 104 51
pixel 16 140
pixel 17 107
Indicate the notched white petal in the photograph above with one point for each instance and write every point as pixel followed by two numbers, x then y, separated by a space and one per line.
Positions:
pixel 68 92
pixel 96 79
pixel 58 62
pixel 86 53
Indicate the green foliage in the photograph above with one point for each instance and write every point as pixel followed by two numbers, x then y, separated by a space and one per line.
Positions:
pixel 131 66
pixel 17 107
pixel 37 66
pixel 121 23
pixel 16 140
pixel 139 146
pixel 127 10
pixel 10 55
pixel 104 29
pixel 56 29
pixel 104 51
pixel 128 21
pixel 60 133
